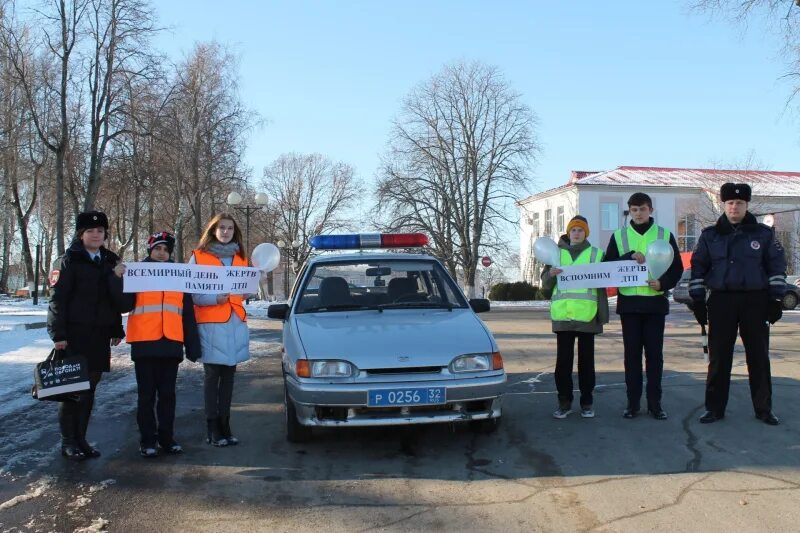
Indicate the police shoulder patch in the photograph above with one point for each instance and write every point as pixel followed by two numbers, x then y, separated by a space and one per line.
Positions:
pixel 54 274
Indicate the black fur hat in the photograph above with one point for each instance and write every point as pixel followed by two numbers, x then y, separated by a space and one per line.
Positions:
pixel 91 219
pixel 735 191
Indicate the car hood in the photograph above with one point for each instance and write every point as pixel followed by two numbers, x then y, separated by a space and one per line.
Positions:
pixel 393 338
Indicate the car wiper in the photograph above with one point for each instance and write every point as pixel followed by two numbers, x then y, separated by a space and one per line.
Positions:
pixel 411 305
pixel 341 307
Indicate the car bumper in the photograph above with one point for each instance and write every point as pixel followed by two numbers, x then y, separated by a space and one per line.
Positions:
pixel 345 404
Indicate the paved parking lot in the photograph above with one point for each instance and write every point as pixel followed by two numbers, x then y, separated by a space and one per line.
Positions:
pixel 534 474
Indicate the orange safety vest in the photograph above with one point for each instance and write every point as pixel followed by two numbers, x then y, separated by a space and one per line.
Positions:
pixel 156 315
pixel 219 312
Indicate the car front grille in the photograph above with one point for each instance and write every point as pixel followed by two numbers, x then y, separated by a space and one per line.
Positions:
pixel 406 370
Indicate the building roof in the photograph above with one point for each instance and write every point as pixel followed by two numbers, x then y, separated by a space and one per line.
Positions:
pixel 763 182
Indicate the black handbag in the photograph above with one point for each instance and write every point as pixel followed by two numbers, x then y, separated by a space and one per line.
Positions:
pixel 60 378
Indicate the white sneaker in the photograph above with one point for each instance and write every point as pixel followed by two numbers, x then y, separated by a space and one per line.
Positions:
pixel 148 453
pixel 561 412
pixel 587 412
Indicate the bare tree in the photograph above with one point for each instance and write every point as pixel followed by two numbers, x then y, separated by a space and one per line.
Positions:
pixel 60 36
pixel 203 136
pixel 458 156
pixel 309 194
pixel 783 17
pixel 120 31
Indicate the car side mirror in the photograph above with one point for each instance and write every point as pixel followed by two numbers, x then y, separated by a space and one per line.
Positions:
pixel 480 305
pixel 278 311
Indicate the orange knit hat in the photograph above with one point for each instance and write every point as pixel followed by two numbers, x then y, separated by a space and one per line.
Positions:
pixel 580 222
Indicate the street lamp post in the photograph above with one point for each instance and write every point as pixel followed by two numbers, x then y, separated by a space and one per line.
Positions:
pixel 287 249
pixel 234 200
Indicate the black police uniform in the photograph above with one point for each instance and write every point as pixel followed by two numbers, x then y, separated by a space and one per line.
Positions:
pixel 744 269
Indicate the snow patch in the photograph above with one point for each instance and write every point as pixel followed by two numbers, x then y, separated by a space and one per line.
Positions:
pixel 35 490
pixel 84 499
pixel 98 524
pixel 102 485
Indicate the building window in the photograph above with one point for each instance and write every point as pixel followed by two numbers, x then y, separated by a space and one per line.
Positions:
pixel 548 222
pixel 687 233
pixel 609 216
pixel 560 219
pixel 535 225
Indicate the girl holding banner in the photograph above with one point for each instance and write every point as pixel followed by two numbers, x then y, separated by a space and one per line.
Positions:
pixel 576 314
pixel 222 324
pixel 160 325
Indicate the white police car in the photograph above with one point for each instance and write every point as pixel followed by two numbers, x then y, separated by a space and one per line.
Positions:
pixel 379 338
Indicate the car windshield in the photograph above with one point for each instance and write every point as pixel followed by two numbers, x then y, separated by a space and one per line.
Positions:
pixel 377 285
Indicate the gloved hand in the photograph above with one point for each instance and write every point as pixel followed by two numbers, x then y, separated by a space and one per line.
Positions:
pixel 700 312
pixel 774 311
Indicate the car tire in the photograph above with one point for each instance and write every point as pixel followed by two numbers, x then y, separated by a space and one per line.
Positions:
pixel 295 431
pixel 789 300
pixel 485 426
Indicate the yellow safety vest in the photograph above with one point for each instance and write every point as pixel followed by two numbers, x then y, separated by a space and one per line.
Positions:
pixel 579 305
pixel 630 240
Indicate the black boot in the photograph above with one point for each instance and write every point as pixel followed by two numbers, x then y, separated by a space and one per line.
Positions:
pixel 85 406
pixel 67 421
pixel 225 429
pixel 215 437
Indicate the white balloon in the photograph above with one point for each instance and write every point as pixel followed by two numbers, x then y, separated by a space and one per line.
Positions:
pixel 659 257
pixel 547 251
pixel 266 257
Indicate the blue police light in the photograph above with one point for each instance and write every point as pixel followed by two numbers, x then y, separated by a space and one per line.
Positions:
pixel 368 240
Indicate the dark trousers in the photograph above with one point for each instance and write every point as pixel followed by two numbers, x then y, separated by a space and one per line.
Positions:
pixel 155 381
pixel 745 313
pixel 643 331
pixel 565 355
pixel 218 389
pixel 73 416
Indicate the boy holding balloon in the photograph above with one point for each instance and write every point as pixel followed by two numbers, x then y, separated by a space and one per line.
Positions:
pixel 643 309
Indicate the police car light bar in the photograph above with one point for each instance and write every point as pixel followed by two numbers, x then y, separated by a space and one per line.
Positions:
pixel 368 240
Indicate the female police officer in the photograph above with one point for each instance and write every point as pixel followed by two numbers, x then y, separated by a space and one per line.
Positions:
pixel 743 266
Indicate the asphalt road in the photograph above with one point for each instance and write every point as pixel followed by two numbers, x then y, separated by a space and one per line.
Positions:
pixel 534 474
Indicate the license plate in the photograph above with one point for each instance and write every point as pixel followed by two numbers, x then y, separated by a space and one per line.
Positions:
pixel 415 396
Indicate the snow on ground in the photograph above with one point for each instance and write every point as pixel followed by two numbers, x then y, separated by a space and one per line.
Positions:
pixel 12 306
pixel 15 313
pixel 35 490
pixel 524 303
pixel 258 308
pixel 27 422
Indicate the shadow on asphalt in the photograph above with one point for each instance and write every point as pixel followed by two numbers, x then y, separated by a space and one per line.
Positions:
pixel 528 444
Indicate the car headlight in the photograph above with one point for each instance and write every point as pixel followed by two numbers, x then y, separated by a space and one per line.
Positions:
pixel 472 363
pixel 331 369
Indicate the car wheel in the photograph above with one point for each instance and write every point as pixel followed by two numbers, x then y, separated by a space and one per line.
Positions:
pixel 295 431
pixel 485 426
pixel 789 300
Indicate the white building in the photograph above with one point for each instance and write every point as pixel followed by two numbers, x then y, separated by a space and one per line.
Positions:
pixel 685 201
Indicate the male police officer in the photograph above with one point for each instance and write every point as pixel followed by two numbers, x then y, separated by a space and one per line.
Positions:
pixel 743 266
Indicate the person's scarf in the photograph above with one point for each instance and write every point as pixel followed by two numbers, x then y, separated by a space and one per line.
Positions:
pixel 223 250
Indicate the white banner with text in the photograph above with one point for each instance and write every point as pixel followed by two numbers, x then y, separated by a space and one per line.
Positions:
pixel 599 275
pixel 180 277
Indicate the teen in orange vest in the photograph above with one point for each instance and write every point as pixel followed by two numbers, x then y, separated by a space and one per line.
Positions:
pixel 160 325
pixel 222 323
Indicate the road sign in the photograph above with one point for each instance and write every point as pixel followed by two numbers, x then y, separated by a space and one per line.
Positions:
pixel 486 261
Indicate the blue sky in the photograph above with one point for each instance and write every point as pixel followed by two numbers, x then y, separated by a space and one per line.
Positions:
pixel 613 83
